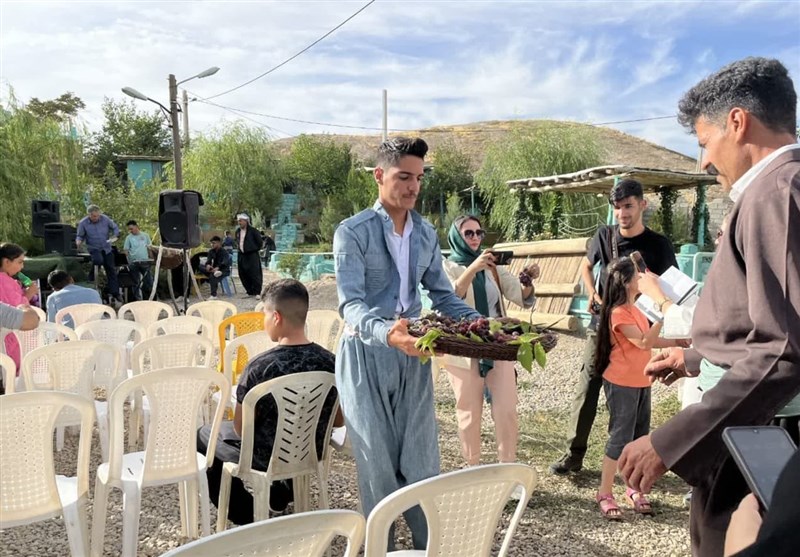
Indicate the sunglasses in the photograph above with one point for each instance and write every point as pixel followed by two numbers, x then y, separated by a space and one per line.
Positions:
pixel 472 233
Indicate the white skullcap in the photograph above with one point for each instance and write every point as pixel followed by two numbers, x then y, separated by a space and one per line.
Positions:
pixel 241 216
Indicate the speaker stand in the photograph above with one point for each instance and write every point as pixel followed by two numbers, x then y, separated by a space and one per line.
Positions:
pixel 188 275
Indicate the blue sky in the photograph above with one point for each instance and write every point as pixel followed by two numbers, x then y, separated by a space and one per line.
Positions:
pixel 442 62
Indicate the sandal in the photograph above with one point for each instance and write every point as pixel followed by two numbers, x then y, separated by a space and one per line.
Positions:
pixel 608 507
pixel 640 503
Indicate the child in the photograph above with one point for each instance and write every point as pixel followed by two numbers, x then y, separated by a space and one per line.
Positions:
pixel 624 341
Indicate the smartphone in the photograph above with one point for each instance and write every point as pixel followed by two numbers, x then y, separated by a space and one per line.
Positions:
pixel 638 260
pixel 502 257
pixel 761 453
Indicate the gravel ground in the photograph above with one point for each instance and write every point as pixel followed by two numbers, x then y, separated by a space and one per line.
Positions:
pixel 561 520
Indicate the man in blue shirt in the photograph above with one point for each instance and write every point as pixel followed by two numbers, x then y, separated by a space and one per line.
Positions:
pixel 98 232
pixel 138 259
pixel 66 294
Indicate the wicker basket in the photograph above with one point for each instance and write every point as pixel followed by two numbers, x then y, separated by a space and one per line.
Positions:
pixel 456 346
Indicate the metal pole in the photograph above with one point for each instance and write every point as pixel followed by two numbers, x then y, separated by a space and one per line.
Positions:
pixel 185 103
pixel 176 133
pixel 385 115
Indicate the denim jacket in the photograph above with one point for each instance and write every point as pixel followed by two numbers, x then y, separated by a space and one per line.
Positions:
pixel 367 280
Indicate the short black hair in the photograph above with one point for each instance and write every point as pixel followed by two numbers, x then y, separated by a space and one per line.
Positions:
pixel 10 251
pixel 761 86
pixel 392 150
pixel 58 279
pixel 132 223
pixel 215 239
pixel 625 188
pixel 288 297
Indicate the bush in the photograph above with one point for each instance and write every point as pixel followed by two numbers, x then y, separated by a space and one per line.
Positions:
pixel 292 264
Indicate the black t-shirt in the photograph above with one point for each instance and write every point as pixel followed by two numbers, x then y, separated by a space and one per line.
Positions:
pixel 277 362
pixel 656 249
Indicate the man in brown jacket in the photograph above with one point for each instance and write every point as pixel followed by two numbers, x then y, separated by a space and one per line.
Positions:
pixel 748 318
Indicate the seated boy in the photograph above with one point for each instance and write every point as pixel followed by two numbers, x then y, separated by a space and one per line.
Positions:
pixel 285 309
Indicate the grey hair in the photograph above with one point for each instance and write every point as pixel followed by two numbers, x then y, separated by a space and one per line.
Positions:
pixel 761 86
pixel 92 209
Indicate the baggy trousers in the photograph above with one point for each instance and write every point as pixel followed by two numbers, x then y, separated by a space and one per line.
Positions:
pixel 584 403
pixel 387 400
pixel 250 272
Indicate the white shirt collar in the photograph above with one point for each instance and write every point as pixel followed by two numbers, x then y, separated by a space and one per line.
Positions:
pixel 742 183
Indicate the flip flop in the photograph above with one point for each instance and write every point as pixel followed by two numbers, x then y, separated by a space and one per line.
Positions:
pixel 607 505
pixel 639 502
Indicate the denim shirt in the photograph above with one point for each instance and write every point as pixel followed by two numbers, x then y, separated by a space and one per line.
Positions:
pixel 96 234
pixel 367 280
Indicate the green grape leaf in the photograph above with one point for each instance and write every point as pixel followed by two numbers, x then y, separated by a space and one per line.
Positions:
pixel 427 343
pixel 526 327
pixel 495 326
pixel 475 337
pixel 525 356
pixel 539 353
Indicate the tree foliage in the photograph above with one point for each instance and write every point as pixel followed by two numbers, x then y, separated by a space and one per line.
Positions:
pixel 59 109
pixel 236 170
pixel 452 173
pixel 544 150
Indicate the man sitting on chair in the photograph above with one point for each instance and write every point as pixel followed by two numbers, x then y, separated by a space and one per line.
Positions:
pixel 285 308
pixel 66 293
pixel 218 265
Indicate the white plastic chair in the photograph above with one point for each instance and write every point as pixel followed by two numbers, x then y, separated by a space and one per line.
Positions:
pixel 121 333
pixel 71 367
pixel 298 535
pixel 9 369
pixel 253 344
pixel 81 313
pixel 216 311
pixel 145 312
pixel 324 327
pixel 463 509
pixel 40 312
pixel 259 306
pixel 166 351
pixel 299 398
pixel 30 490
pixel 182 325
pixel 46 333
pixel 171 456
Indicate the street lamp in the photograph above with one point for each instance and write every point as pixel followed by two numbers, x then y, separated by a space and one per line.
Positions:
pixel 172 112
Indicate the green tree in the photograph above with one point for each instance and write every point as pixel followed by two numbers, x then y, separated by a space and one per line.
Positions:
pixel 60 109
pixel 541 150
pixel 127 131
pixel 236 169
pixel 452 173
pixel 360 192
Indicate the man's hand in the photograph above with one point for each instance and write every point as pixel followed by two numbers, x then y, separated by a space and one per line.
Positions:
pixel 744 526
pixel 594 298
pixel 640 464
pixel 399 338
pixel 533 270
pixel 667 366
pixel 648 285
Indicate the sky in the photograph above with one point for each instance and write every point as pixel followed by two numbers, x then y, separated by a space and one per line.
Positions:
pixel 442 62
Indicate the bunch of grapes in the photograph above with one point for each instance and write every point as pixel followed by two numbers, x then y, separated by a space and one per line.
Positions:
pixel 481 327
pixel 525 279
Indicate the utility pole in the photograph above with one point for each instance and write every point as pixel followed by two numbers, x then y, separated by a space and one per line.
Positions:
pixel 185 99
pixel 385 115
pixel 176 133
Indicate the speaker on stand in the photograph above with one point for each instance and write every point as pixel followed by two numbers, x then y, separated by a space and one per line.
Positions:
pixel 43 212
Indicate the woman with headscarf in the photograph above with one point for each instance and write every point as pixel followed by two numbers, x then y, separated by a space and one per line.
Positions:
pixel 485 286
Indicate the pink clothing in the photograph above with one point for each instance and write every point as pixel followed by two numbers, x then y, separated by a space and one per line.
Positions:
pixel 11 294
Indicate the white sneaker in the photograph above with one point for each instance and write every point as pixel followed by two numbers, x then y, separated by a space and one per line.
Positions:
pixel 212 297
pixel 217 274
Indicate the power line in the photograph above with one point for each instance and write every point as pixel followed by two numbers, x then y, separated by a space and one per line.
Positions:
pixel 306 49
pixel 262 124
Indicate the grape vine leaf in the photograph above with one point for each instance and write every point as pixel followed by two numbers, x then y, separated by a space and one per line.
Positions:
pixel 525 356
pixel 495 326
pixel 475 337
pixel 539 354
pixel 426 344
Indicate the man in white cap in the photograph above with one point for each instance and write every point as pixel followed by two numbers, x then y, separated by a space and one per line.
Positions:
pixel 248 243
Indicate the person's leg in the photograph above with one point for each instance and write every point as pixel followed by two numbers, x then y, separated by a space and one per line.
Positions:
pixel 240 505
pixel 502 383
pixel 213 282
pixel 147 280
pixel 258 275
pixel 583 412
pixel 621 404
pixel 244 277
pixel 111 273
pixel 136 277
pixel 468 389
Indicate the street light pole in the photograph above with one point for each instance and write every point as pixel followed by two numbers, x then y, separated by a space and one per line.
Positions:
pixel 176 132
pixel 185 103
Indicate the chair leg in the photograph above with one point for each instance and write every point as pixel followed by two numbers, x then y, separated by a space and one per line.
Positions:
pixel 102 430
pixel 77 527
pixel 182 507
pixel 131 504
pixel 99 517
pixel 261 496
pixel 59 438
pixel 224 500
pixel 322 477
pixel 134 422
pixel 191 507
pixel 205 503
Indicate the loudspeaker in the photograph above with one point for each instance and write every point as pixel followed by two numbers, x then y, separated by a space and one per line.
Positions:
pixel 179 218
pixel 43 212
pixel 60 238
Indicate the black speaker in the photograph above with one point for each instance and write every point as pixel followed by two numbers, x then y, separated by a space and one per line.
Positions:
pixel 43 212
pixel 179 218
pixel 60 238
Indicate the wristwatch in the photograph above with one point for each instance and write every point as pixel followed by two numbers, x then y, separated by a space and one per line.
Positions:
pixel 661 304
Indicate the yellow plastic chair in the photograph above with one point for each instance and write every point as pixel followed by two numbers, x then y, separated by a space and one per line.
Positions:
pixel 236 326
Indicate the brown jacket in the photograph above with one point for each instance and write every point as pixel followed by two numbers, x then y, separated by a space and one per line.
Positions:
pixel 748 320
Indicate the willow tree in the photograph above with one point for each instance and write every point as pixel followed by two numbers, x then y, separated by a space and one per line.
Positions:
pixel 236 169
pixel 544 149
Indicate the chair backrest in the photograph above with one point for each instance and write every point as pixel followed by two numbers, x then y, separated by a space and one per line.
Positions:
pixel 239 325
pixel 40 312
pixel 44 333
pixel 239 351
pixel 463 509
pixel 182 325
pixel 28 489
pixel 170 351
pixel 297 535
pixel 145 312
pixel 259 307
pixel 121 333
pixel 299 398
pixel 216 311
pixel 175 396
pixel 324 327
pixel 81 313
pixel 9 369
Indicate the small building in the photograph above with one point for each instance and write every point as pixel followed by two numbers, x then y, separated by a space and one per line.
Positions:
pixel 142 169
